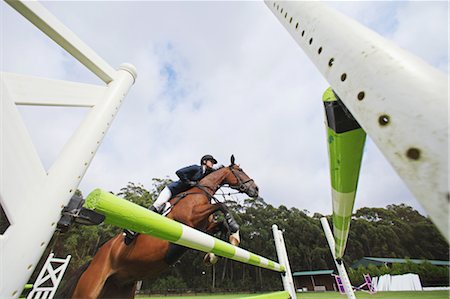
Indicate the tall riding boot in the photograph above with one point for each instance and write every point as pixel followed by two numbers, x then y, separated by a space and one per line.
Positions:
pixel 129 236
pixel 153 209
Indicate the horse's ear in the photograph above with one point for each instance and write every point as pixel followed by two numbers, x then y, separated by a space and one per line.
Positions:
pixel 232 159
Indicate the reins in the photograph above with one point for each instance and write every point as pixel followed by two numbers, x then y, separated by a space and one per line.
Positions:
pixel 241 187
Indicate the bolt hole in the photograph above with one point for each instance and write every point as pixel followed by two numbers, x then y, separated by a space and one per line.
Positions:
pixel 285 16
pixel 413 153
pixel 29 267
pixel 343 77
pixel 330 63
pixel 296 26
pixel 384 120
pixel 310 41
pixel 290 21
pixel 320 50
pixel 278 7
pixel 70 191
pixel 361 95
pixel 281 10
pixel 303 32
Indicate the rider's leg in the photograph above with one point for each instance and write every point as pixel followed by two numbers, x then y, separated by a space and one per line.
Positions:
pixel 163 197
pixel 157 206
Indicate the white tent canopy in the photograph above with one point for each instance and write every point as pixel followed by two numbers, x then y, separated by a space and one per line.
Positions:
pixel 405 282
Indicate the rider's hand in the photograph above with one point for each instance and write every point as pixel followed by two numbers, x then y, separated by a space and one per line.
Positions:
pixel 192 183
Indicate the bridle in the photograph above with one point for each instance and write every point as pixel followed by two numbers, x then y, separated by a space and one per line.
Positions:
pixel 242 185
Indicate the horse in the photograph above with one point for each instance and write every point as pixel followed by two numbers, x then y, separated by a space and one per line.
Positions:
pixel 115 268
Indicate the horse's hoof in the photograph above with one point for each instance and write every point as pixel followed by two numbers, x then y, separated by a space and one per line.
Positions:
pixel 235 239
pixel 210 259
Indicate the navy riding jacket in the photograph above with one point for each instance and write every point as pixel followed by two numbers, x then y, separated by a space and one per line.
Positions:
pixel 186 174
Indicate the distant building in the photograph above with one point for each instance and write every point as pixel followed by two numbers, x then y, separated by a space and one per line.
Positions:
pixel 387 261
pixel 317 281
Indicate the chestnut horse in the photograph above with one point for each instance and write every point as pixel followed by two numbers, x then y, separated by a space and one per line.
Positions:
pixel 116 267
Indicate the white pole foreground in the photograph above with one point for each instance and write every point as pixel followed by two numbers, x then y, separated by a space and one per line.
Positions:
pixel 40 17
pixel 398 99
pixel 339 264
pixel 31 196
pixel 288 282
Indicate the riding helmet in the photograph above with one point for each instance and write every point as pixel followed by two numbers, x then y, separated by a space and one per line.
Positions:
pixel 206 158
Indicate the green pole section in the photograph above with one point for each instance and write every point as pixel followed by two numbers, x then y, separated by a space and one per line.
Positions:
pixel 125 214
pixel 345 148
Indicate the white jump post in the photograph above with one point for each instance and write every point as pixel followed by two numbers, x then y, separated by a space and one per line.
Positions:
pixel 49 278
pixel 286 277
pixel 31 196
pixel 399 100
pixel 339 265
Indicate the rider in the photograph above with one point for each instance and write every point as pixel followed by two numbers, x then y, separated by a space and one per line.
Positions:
pixel 188 177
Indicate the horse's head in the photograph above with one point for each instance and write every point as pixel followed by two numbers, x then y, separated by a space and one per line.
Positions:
pixel 239 180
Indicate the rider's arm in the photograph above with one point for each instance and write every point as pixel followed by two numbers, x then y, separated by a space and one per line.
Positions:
pixel 217 166
pixel 185 174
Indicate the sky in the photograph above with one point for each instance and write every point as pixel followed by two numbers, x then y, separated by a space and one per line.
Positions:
pixel 216 78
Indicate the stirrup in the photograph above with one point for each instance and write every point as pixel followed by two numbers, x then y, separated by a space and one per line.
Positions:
pixel 129 236
pixel 166 209
pixel 153 209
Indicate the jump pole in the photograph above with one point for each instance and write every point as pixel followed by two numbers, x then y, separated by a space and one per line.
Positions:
pixel 339 263
pixel 286 277
pixel 125 214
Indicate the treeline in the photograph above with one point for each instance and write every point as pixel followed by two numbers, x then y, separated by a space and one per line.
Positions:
pixel 395 231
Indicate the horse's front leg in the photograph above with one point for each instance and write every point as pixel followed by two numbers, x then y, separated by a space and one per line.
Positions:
pixel 213 227
pixel 230 223
pixel 232 226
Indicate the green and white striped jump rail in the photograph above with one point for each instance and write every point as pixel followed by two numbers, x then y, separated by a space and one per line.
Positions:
pixel 125 214
pixel 346 141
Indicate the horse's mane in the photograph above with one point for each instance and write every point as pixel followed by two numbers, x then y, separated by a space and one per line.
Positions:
pixel 214 173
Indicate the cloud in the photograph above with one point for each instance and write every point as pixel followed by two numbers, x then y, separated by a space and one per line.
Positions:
pixel 219 78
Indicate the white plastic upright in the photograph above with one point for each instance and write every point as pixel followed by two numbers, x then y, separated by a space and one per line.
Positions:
pixel 49 278
pixel 339 265
pixel 397 98
pixel 40 17
pixel 288 282
pixel 31 197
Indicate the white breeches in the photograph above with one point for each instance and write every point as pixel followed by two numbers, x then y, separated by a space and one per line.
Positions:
pixel 163 197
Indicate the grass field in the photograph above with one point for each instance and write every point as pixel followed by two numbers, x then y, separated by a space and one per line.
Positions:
pixel 327 295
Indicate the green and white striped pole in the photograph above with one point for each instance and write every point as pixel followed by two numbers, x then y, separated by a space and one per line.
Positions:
pixel 125 214
pixel 345 148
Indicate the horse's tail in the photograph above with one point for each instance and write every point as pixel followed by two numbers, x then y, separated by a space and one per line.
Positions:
pixel 69 286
